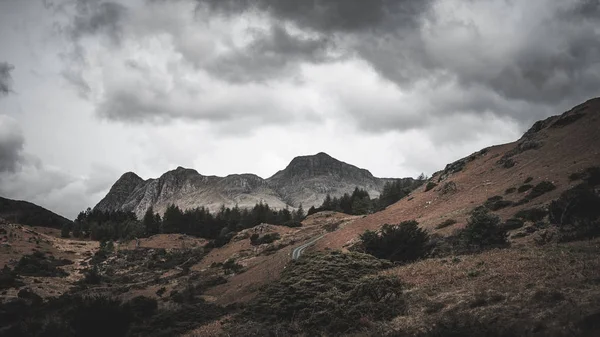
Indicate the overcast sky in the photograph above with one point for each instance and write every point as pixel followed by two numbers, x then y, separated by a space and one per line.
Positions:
pixel 91 89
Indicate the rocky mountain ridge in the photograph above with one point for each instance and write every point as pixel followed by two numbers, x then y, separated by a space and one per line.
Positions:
pixel 306 180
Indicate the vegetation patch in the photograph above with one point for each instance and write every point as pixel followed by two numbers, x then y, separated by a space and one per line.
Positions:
pixel 540 189
pixel 71 315
pixel 532 214
pixel 483 231
pixel 524 188
pixel 330 294
pixel 510 190
pixel 9 279
pixel 38 264
pixel 512 224
pixel 497 203
pixel 430 185
pixel 577 214
pixel 405 242
pixel 528 180
pixel 257 240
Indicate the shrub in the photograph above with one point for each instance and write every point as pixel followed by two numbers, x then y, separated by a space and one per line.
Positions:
pixel 496 203
pixel 256 239
pixel 577 214
pixel 231 267
pixel 430 185
pixel 540 189
pixel 512 224
pixel 323 294
pixel 405 242
pixel 510 190
pixel 37 264
pixel 9 279
pixel 528 180
pixel 446 223
pixel 483 231
pixel 524 188
pixel 532 214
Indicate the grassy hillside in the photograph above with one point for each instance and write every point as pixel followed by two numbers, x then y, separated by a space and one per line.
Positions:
pixel 26 213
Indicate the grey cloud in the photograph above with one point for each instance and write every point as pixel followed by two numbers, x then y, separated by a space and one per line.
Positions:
pixel 95 17
pixel 5 78
pixel 11 144
pixel 272 54
pixel 331 15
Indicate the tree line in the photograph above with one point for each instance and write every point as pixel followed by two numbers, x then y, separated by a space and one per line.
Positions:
pixel 359 202
pixel 199 222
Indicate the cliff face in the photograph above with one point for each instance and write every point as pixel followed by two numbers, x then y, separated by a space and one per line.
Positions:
pixel 306 180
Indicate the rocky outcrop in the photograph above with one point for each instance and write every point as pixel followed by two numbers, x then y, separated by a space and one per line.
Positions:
pixel 306 180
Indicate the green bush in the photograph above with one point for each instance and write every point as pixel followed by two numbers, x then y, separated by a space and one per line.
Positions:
pixel 512 224
pixel 38 264
pixel 9 279
pixel 528 180
pixel 540 189
pixel 496 203
pixel 257 240
pixel 323 294
pixel 405 242
pixel 483 231
pixel 532 214
pixel 430 185
pixel 577 213
pixel 510 190
pixel 524 188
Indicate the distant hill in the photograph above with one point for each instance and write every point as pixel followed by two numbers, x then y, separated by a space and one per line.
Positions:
pixel 306 180
pixel 26 213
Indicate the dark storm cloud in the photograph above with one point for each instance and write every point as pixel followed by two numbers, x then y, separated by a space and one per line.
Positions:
pixel 94 17
pixel 5 78
pixel 331 15
pixel 272 54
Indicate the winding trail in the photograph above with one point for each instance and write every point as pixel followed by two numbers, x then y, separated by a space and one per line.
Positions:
pixel 297 252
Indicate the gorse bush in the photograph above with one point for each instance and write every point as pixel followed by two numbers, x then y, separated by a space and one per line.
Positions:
pixel 405 242
pixel 430 185
pixel 256 239
pixel 577 213
pixel 483 231
pixel 323 294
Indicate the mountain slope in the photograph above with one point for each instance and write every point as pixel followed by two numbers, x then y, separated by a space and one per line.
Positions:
pixel 26 213
pixel 306 180
pixel 550 150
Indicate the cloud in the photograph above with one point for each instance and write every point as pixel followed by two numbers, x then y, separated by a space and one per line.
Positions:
pixel 5 78
pixel 274 53
pixel 243 64
pixel 24 176
pixel 330 15
pixel 98 18
pixel 11 144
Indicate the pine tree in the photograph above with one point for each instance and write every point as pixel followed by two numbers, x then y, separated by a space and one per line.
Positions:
pixel 150 224
pixel 300 214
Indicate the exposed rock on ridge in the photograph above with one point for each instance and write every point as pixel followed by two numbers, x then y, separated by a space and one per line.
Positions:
pixel 306 180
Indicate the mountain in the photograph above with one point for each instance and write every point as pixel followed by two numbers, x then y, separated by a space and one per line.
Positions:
pixel 306 180
pixel 26 213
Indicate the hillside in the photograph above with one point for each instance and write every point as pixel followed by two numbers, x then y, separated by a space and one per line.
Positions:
pixel 551 150
pixel 26 213
pixel 306 180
